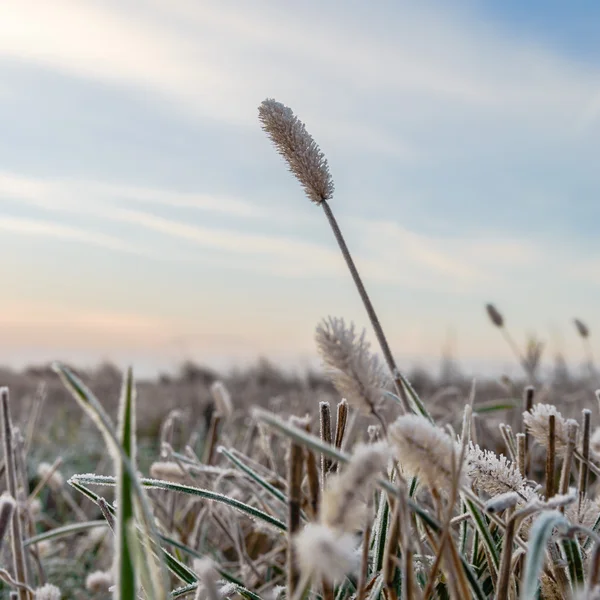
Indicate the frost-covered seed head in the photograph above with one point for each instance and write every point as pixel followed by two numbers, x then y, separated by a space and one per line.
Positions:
pixel 304 158
pixel 98 581
pixel 425 450
pixel 48 592
pixel 345 499
pixel 495 475
pixel 536 422
pixel 222 399
pixel 357 374
pixel 325 553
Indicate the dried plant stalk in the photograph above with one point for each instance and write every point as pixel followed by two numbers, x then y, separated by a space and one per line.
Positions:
pixel 295 473
pixel 19 563
pixel 312 475
pixel 521 453
pixel 528 399
pixel 585 454
pixel 565 474
pixel 551 456
pixel 378 329
pixel 212 438
pixel 340 427
pixel 326 436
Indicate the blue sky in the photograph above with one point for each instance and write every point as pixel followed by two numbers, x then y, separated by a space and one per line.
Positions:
pixel 145 218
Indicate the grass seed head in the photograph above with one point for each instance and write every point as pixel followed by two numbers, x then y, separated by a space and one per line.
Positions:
pixel 582 328
pixel 495 317
pixel 536 422
pixel 356 373
pixel 325 553
pixel 345 499
pixel 48 592
pixel 99 582
pixel 426 451
pixel 222 399
pixel 303 156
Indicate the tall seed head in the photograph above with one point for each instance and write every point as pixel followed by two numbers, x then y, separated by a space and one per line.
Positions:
pixel 303 156
pixel 495 317
pixel 582 328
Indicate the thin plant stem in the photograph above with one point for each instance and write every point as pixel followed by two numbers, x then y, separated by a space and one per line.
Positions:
pixel 551 457
pixel 295 472
pixel 381 338
pixel 585 452
pixel 528 399
pixel 521 454
pixel 568 460
pixel 20 565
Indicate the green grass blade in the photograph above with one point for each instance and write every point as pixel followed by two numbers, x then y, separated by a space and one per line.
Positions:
pixel 494 407
pixel 125 586
pixel 381 526
pixel 91 479
pixel 541 532
pixel 92 407
pixel 574 556
pixel 484 532
pixel 273 491
pixel 175 566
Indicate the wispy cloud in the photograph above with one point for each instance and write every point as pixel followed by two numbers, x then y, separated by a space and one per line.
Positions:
pixel 56 230
pixel 387 251
pixel 198 56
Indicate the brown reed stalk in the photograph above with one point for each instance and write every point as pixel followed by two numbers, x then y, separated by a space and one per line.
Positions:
pixel 582 485
pixel 521 453
pixel 565 473
pixel 212 438
pixel 340 428
pixel 312 475
pixel 326 436
pixel 528 398
pixel 551 456
pixel 19 563
pixel 295 474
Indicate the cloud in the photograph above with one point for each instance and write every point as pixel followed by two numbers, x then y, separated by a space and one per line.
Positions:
pixel 386 251
pixel 413 66
pixel 60 231
pixel 77 194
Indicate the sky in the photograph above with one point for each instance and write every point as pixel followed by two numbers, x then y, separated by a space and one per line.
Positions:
pixel 146 219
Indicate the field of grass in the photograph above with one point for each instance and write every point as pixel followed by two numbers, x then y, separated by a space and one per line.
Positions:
pixel 364 483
